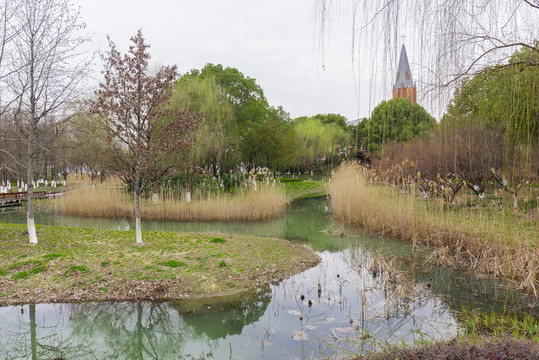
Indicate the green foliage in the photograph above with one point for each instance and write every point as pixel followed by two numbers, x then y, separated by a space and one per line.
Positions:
pixel 105 263
pixel 216 138
pixel 21 275
pixel 396 120
pixel 200 184
pixel 74 269
pixel 21 264
pixel 240 126
pixel 38 270
pixel 289 180
pixel 173 263
pixel 218 240
pixel 504 97
pixel 319 138
pixel 3 272
pixel 250 107
pixel 336 119
pixel 51 256
pixel 277 140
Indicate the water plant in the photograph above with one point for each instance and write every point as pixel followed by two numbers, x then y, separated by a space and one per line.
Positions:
pixel 488 240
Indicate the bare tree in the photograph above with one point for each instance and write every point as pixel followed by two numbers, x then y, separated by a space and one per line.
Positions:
pixel 142 130
pixel 46 68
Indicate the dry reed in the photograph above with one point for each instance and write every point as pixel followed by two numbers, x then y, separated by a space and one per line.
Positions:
pixel 266 203
pixel 79 178
pixel 486 244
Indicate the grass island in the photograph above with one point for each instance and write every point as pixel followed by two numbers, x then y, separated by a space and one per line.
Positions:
pixel 81 264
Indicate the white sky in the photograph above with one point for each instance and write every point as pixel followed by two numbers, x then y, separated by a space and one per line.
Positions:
pixel 272 41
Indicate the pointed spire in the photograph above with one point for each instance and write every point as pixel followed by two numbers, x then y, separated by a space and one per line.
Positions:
pixel 404 75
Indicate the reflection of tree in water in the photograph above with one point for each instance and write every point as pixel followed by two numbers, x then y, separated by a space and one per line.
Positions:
pixel 219 318
pixel 39 338
pixel 129 330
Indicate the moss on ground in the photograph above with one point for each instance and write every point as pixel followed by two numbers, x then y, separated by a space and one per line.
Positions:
pixel 74 264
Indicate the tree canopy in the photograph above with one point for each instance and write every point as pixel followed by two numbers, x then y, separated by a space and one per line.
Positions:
pixel 502 97
pixel 319 137
pixel 396 120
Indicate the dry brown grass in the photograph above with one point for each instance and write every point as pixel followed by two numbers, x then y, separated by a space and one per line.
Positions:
pixel 80 178
pixel 496 244
pixel 266 203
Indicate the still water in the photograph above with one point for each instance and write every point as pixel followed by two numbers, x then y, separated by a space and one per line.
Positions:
pixel 346 304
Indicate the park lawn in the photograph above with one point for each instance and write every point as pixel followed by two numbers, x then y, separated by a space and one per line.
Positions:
pixel 81 264
pixel 296 190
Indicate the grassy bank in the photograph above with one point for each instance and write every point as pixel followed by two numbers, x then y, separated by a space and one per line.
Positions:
pixel 71 264
pixel 485 336
pixel 297 189
pixel 267 202
pixel 464 348
pixel 493 239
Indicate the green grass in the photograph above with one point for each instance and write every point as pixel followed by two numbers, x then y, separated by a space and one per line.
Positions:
pixel 71 264
pixel 296 190
pixel 174 263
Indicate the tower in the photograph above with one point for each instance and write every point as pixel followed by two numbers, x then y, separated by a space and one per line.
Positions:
pixel 404 85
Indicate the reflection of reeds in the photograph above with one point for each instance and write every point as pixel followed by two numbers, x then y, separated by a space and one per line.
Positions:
pixel 266 203
pixel 488 243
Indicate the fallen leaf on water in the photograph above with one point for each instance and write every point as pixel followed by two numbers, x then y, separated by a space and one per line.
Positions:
pixel 300 335
pixel 294 312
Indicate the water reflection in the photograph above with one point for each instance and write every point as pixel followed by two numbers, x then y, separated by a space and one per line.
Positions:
pixel 334 309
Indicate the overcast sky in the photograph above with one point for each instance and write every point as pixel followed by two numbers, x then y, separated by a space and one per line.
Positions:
pixel 271 41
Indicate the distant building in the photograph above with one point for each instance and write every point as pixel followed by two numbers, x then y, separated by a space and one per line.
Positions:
pixel 404 87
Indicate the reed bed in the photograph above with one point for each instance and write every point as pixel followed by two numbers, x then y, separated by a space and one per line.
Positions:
pixel 267 202
pixel 80 178
pixel 493 242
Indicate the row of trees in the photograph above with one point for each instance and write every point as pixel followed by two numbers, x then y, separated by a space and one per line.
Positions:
pixel 139 125
pixel 40 73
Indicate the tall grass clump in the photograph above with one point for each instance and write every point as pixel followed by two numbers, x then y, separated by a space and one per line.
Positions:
pixel 485 242
pixel 247 204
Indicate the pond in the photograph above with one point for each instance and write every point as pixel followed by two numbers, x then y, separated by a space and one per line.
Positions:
pixel 349 302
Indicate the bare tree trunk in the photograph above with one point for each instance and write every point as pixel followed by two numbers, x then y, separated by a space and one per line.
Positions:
pixel 30 213
pixel 30 176
pixel 138 229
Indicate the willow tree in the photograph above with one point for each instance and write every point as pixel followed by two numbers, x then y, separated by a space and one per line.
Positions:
pixel 142 129
pixel 317 141
pixel 216 139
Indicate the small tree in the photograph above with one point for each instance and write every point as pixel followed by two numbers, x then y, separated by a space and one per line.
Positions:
pixel 142 130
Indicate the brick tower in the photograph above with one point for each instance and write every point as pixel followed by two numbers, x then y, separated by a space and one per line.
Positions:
pixel 404 85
